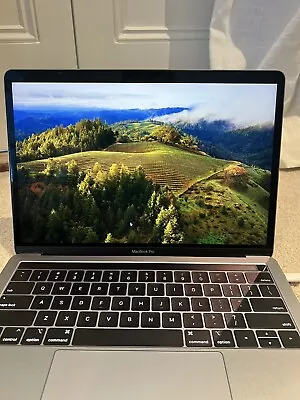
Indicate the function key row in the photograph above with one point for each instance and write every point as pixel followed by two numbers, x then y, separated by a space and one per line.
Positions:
pixel 142 276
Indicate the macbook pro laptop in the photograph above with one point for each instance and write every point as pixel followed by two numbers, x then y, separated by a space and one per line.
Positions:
pixel 144 215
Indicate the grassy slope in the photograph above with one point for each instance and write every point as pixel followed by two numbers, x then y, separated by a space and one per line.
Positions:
pixel 164 164
pixel 212 207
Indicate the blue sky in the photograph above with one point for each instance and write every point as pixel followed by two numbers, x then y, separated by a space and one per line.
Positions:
pixel 241 104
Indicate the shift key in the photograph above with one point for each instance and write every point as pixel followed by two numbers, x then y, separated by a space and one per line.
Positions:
pixel 17 318
pixel 269 321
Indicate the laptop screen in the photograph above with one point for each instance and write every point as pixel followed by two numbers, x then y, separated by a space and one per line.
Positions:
pixel 138 163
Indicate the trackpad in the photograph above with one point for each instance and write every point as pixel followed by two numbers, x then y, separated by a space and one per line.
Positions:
pixel 136 375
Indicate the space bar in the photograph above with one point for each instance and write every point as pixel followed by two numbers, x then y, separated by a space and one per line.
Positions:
pixel 128 337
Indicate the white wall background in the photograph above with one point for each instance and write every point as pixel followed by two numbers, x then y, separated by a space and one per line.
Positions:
pixel 102 34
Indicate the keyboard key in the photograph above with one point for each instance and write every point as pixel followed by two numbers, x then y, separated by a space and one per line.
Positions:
pixel 136 289
pixel 141 303
pixel 193 289
pixel 33 336
pixel 269 321
pixel 45 318
pixel 236 321
pixel 87 319
pixel 39 275
pixel 61 288
pixel 128 276
pixel 213 320
pixel 11 302
pixel 250 290
pixel 290 338
pixel 236 277
pixel 164 276
pixel 109 319
pixel 218 277
pixel 240 305
pixel 269 291
pixel 245 339
pixel 200 304
pixel 118 289
pixel 146 276
pixel 231 291
pixel 175 289
pixel 120 303
pixel 80 288
pixel 11 335
pixel 110 276
pixel 92 276
pixel 17 318
pixel 61 303
pixel 212 290
pixel 42 288
pixel 259 277
pixel 101 303
pixel 21 275
pixel 160 303
pixel 268 305
pixel 99 289
pixel 150 320
pixel 200 277
pixel 155 289
pixel 197 338
pixel 41 302
pixel 75 276
pixel 180 304
pixel 129 319
pixel 171 320
pixel 223 338
pixel 192 320
pixel 271 342
pixel 58 336
pixel 19 288
pixel 220 304
pixel 58 275
pixel 266 334
pixel 66 318
pixel 81 303
pixel 129 337
pixel 182 276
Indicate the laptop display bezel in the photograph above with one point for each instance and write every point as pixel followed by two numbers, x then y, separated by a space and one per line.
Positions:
pixel 142 76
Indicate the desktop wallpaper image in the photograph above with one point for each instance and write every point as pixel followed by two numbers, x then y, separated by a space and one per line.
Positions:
pixel 143 163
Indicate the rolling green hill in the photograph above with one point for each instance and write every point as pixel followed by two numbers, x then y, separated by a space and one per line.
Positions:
pixel 226 214
pixel 164 164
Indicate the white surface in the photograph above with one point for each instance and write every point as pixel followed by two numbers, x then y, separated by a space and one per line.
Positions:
pixel 142 34
pixel 262 34
pixel 34 34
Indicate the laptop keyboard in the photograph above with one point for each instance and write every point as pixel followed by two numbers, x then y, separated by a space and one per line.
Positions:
pixel 72 304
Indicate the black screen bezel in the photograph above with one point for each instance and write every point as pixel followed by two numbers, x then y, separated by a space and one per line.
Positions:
pixel 146 76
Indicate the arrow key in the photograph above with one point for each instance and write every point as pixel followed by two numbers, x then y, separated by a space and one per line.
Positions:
pixel 290 338
pixel 245 338
pixel 11 335
pixel 271 342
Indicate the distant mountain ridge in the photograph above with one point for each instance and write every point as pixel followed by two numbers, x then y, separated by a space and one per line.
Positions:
pixel 252 145
pixel 36 120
